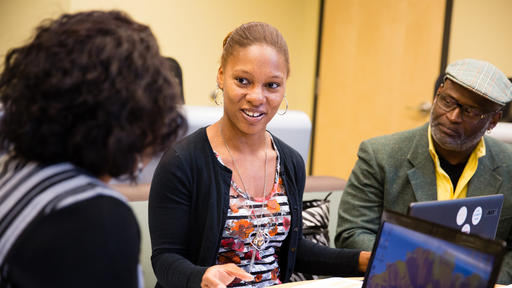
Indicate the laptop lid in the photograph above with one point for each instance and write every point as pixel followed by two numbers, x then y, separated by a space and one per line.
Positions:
pixel 476 215
pixel 411 252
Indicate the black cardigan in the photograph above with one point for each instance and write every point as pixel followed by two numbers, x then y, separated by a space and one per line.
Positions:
pixel 188 205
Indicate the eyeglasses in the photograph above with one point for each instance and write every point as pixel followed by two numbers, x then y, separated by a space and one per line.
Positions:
pixel 447 103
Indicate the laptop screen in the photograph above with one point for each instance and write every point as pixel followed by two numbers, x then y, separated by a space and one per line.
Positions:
pixel 421 254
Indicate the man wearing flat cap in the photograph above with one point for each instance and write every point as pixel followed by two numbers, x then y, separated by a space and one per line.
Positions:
pixel 447 158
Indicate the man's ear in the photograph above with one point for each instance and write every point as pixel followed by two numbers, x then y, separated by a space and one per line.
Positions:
pixel 220 78
pixel 439 89
pixel 494 120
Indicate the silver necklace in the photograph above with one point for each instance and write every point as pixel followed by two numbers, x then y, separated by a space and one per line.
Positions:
pixel 260 238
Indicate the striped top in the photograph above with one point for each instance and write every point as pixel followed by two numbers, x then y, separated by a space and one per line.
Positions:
pixel 29 191
pixel 246 217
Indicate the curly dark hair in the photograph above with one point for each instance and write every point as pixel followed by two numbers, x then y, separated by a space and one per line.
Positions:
pixel 92 89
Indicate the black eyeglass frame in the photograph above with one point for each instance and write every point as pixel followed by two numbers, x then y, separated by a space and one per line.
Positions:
pixel 470 113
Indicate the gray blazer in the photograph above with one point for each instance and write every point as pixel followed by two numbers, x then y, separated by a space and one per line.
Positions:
pixel 395 170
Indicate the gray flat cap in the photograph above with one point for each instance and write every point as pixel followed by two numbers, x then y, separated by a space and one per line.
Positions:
pixel 481 77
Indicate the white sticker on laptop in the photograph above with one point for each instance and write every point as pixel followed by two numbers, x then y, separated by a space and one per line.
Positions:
pixel 466 229
pixel 461 215
pixel 477 215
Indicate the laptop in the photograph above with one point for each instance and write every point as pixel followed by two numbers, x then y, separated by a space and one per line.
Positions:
pixel 412 252
pixel 476 215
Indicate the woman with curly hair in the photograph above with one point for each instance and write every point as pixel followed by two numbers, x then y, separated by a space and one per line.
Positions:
pixel 89 98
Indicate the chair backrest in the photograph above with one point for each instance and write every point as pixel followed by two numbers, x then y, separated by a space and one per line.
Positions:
pixel 294 128
pixel 503 132
pixel 140 208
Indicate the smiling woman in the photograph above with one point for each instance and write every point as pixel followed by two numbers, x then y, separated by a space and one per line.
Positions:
pixel 237 188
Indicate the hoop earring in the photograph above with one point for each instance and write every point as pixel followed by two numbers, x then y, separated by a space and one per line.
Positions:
pixel 219 96
pixel 286 109
pixel 140 166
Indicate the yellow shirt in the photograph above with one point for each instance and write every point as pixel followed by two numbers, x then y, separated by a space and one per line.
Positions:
pixel 445 189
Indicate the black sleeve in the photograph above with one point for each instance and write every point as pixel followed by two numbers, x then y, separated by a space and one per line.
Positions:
pixel 169 221
pixel 313 258
pixel 94 243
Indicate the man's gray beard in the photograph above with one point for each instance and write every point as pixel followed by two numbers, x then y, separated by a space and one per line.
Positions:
pixel 460 146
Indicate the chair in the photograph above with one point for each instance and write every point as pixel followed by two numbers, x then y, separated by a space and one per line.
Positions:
pixel 503 132
pixel 294 128
pixel 318 187
pixel 140 208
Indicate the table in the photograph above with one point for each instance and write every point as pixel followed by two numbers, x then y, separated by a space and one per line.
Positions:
pixel 334 283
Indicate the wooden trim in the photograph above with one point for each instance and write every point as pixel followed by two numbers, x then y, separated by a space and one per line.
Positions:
pixel 446 35
pixel 315 96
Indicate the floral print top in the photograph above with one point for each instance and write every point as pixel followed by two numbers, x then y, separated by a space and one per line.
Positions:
pixel 246 217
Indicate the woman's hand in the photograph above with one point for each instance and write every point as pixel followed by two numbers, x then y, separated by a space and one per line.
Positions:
pixel 219 276
pixel 364 258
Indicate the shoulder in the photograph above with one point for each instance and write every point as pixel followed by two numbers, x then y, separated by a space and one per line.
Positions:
pixel 292 164
pixel 192 142
pixel 94 208
pixel 193 147
pixel 92 234
pixel 500 151
pixel 90 205
pixel 497 145
pixel 190 159
pixel 104 214
pixel 71 211
pixel 393 149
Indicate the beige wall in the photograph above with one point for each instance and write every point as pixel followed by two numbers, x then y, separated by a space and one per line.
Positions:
pixel 481 29
pixel 18 18
pixel 192 32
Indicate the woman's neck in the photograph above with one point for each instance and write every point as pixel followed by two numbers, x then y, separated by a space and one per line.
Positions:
pixel 239 141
